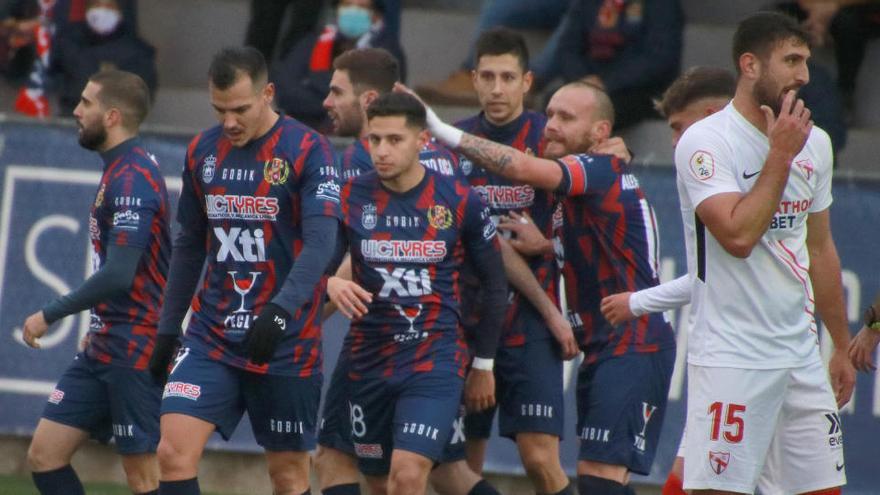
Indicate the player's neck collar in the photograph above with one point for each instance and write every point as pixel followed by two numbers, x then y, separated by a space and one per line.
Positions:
pixel 120 149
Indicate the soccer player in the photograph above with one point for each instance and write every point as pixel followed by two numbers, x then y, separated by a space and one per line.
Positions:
pixel 758 176
pixel 260 204
pixel 108 391
pixel 610 244
pixel 529 365
pixel 409 229
pixel 698 93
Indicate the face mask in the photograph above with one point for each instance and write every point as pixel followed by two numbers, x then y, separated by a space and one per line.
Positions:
pixel 353 22
pixel 103 20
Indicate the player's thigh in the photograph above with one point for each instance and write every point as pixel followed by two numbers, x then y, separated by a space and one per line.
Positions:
pixel 204 389
pixel 53 444
pixel 135 400
pixel 807 452
pixel 283 410
pixel 732 419
pixel 334 429
pixel 530 389
pixel 80 399
pixel 426 409
pixel 621 403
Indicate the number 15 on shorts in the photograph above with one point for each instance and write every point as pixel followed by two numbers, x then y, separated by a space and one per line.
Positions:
pixel 734 426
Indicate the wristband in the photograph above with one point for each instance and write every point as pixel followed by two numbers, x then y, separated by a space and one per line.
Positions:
pixel 483 364
pixel 871 317
pixel 447 134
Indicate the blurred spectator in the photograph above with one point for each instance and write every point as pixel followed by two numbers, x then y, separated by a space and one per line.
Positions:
pixel 631 48
pixel 850 24
pixel 31 99
pixel 18 25
pixel 96 34
pixel 267 17
pixel 302 77
pixel 458 88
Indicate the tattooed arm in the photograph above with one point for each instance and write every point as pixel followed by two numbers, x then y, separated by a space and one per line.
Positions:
pixel 511 163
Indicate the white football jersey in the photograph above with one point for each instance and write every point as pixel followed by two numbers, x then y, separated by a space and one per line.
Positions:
pixel 756 312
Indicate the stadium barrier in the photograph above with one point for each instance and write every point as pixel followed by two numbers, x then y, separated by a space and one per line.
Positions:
pixel 48 183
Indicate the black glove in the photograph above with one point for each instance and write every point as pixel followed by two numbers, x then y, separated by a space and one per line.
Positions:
pixel 161 358
pixel 265 333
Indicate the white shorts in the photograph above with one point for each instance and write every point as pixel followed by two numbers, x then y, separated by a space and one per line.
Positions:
pixel 741 419
pixel 681 443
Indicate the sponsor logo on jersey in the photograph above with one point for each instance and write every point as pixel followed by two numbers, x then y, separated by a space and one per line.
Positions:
pixel 719 461
pixel 368 216
pixel 647 412
pixel 411 314
pixel 232 206
pixel 182 389
pixel 628 182
pixel 439 217
pixel 441 165
pixel 403 221
pixel 56 396
pixel 368 450
pixel 237 174
pixel 99 198
pixel 806 167
pixel 240 319
pixel 275 171
pixel 126 219
pixel 405 282
pixel 209 165
pixel 391 250
pixel 489 231
pixel 702 165
pixel 506 197
pixel 328 191
pixel 240 244
pixel 94 231
pixel 127 201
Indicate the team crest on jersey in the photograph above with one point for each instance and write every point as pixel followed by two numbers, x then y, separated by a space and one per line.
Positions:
pixel 702 165
pixel 719 461
pixel 368 216
pixel 99 199
pixel 439 217
pixel 209 165
pixel 275 171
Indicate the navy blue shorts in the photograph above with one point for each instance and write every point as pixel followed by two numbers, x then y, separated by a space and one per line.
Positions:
pixel 335 429
pixel 108 402
pixel 528 392
pixel 415 413
pixel 621 402
pixel 283 410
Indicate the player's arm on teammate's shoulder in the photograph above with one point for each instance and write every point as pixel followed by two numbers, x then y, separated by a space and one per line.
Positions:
pixel 523 279
pixel 739 220
pixel 863 345
pixel 482 247
pixel 345 295
pixel 828 294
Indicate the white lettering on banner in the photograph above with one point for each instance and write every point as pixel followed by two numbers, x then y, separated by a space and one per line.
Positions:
pixel 253 246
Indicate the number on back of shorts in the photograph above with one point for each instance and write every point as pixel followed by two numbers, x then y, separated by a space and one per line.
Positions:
pixel 358 426
pixel 733 422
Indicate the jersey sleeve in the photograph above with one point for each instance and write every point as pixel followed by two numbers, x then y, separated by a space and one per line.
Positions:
pixel 822 198
pixel 319 181
pixel 704 166
pixel 190 207
pixel 479 231
pixel 587 174
pixel 664 297
pixel 134 200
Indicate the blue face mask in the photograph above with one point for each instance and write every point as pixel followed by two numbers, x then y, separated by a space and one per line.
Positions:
pixel 353 22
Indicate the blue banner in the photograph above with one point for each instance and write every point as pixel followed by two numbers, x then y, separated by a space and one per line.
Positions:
pixel 48 183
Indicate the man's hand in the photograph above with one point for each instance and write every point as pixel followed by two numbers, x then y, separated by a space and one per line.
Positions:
pixel 479 390
pixel 862 347
pixel 615 308
pixel 163 352
pixel 265 333
pixel 525 238
pixel 560 327
pixel 350 298
pixel 843 376
pixel 612 146
pixel 35 326
pixel 788 131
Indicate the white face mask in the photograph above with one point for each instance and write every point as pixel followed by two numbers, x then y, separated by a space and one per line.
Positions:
pixel 103 20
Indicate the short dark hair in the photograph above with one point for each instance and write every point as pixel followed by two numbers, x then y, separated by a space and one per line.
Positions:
pixel 399 105
pixel 125 91
pixel 760 32
pixel 369 68
pixel 695 84
pixel 229 63
pixel 503 41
